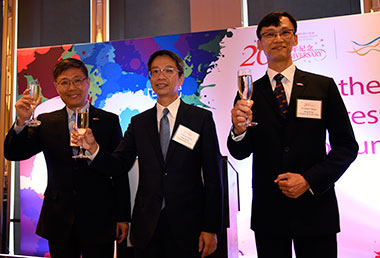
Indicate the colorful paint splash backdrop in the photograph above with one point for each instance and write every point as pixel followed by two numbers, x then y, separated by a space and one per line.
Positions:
pixel 119 83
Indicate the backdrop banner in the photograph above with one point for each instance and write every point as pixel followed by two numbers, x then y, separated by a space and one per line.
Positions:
pixel 345 48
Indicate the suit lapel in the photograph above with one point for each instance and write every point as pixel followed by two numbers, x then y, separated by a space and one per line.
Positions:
pixel 267 91
pixel 180 119
pixel 61 121
pixel 93 118
pixel 152 130
pixel 299 86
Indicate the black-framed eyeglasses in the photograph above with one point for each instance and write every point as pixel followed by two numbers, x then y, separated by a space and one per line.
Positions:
pixel 65 83
pixel 271 35
pixel 167 71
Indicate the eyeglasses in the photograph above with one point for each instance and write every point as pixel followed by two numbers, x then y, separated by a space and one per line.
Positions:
pixel 168 72
pixel 65 83
pixel 271 35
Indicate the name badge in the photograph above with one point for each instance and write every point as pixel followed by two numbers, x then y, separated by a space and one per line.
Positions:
pixel 186 137
pixel 307 108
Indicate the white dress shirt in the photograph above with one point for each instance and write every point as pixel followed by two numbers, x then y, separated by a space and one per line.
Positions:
pixel 287 81
pixel 172 114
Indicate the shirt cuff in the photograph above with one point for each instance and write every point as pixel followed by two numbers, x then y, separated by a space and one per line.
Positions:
pixel 237 138
pixel 92 156
pixel 18 128
pixel 311 191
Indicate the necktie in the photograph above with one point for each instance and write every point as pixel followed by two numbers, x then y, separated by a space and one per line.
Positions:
pixel 164 132
pixel 279 93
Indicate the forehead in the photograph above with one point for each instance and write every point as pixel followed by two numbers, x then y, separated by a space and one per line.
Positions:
pixel 70 73
pixel 284 23
pixel 163 61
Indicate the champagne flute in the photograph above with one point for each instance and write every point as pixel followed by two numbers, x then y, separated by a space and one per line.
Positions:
pixel 245 86
pixel 81 124
pixel 35 92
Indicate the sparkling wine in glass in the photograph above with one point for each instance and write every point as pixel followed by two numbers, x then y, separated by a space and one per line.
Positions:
pixel 81 124
pixel 35 92
pixel 245 86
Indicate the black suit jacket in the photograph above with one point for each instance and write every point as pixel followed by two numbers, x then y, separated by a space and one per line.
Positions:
pixel 193 200
pixel 297 145
pixel 75 193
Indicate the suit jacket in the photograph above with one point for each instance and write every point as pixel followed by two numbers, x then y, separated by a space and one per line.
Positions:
pixel 297 145
pixel 75 193
pixel 189 180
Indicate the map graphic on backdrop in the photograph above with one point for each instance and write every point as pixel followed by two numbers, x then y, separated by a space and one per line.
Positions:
pixel 119 83
pixel 345 48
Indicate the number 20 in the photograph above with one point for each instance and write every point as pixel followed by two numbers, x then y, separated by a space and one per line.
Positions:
pixel 249 60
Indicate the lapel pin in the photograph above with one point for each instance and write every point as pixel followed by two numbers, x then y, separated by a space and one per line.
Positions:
pixel 95 118
pixel 299 84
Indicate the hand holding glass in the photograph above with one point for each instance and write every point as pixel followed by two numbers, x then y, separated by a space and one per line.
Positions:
pixel 35 92
pixel 81 124
pixel 245 86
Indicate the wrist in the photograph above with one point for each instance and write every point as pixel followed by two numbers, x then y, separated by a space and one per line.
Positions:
pixel 237 131
pixel 20 122
pixel 93 148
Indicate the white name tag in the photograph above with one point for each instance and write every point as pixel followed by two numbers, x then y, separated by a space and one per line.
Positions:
pixel 307 108
pixel 186 137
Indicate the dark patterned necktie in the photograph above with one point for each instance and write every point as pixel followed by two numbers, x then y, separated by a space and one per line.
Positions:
pixel 164 132
pixel 279 93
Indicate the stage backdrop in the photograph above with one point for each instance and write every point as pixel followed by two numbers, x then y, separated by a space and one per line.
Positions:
pixel 345 48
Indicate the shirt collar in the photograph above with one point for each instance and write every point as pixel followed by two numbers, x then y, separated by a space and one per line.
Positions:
pixel 173 108
pixel 71 112
pixel 288 73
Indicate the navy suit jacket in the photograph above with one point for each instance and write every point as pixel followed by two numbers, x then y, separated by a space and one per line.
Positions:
pixel 297 145
pixel 75 193
pixel 189 180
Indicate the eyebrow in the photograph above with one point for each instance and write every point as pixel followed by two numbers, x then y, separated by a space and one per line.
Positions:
pixel 168 66
pixel 281 28
pixel 68 78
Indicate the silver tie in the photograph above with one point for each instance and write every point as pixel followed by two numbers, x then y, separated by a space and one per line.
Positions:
pixel 164 132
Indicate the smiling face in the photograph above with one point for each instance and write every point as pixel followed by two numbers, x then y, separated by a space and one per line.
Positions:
pixel 73 96
pixel 278 50
pixel 165 86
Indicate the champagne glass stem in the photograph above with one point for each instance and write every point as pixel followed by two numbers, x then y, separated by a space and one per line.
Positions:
pixel 33 118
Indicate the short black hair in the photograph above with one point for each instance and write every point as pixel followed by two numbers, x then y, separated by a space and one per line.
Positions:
pixel 274 19
pixel 66 64
pixel 179 62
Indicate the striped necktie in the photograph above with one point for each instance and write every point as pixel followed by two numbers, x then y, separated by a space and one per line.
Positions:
pixel 279 93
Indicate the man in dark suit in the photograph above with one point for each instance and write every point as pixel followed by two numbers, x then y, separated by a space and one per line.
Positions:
pixel 81 208
pixel 293 177
pixel 178 205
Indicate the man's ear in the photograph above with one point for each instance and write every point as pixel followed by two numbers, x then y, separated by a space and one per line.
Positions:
pixel 259 46
pixel 181 79
pixel 295 40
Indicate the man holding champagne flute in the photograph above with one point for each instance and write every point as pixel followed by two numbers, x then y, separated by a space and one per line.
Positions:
pixel 294 199
pixel 34 92
pixel 178 204
pixel 83 211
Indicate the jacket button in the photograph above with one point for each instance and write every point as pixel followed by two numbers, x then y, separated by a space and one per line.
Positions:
pixel 165 174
